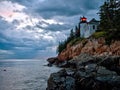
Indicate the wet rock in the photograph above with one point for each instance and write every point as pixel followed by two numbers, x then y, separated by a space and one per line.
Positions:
pixel 69 83
pixel 49 64
pixel 4 70
pixel 91 84
pixel 60 81
pixel 52 60
pixel 105 75
pixel 63 64
pixel 90 68
pixel 81 60
pixel 112 63
pixel 70 72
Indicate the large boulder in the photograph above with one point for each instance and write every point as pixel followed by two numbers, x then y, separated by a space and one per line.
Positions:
pixel 82 60
pixel 61 81
pixel 111 62
pixel 52 60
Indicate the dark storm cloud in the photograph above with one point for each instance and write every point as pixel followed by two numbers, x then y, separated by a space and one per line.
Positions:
pixel 4 43
pixel 4 24
pixel 57 27
pixel 24 2
pixel 65 7
pixel 54 27
pixel 52 8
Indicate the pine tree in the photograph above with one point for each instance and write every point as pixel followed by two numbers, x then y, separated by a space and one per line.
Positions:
pixel 77 32
pixel 110 19
pixel 71 36
pixel 117 13
pixel 109 15
pixel 104 19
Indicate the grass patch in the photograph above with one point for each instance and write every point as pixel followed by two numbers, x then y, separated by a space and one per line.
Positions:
pixel 99 34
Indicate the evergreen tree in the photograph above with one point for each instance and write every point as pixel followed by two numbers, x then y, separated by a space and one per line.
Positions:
pixel 109 15
pixel 117 13
pixel 104 19
pixel 71 34
pixel 77 32
pixel 110 19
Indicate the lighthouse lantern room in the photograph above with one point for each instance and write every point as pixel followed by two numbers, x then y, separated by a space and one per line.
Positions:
pixel 83 19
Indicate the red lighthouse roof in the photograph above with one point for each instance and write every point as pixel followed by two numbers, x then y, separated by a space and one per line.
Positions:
pixel 83 19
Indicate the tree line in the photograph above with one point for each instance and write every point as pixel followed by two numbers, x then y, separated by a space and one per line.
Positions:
pixel 73 34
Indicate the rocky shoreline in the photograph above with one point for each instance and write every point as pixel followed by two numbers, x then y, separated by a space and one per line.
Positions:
pixel 86 72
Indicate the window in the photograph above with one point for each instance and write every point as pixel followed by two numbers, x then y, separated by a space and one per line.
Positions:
pixel 93 26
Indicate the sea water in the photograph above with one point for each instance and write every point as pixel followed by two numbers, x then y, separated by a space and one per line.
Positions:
pixel 24 74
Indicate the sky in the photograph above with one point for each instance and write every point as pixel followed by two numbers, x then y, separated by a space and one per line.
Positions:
pixel 33 28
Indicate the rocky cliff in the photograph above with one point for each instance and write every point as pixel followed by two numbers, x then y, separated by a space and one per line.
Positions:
pixel 91 46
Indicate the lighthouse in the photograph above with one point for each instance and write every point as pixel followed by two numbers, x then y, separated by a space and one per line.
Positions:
pixel 84 27
pixel 87 28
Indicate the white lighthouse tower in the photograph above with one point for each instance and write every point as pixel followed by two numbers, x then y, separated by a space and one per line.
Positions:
pixel 84 27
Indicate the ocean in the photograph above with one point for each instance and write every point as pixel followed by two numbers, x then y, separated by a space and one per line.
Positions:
pixel 24 74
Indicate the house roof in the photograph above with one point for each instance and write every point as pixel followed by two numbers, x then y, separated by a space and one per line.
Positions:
pixel 93 21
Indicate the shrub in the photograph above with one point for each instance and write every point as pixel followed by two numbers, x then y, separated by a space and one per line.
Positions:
pixel 75 41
